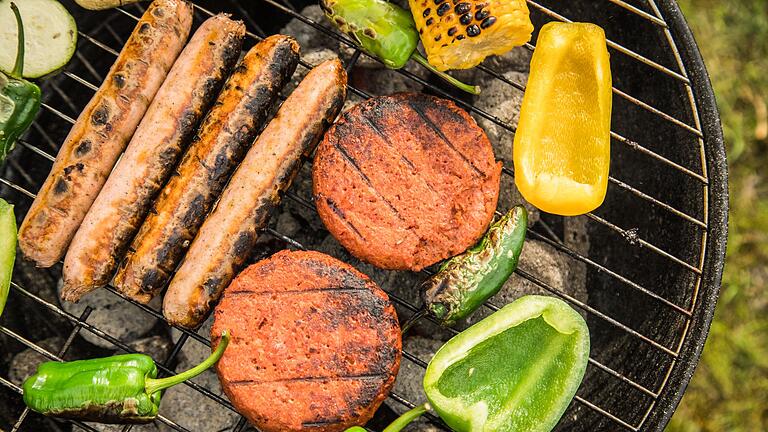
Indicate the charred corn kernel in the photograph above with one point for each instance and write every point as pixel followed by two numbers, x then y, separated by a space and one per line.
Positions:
pixel 459 34
pixel 562 144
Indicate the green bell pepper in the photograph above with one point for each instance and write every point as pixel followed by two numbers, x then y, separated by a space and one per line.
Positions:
pixel 516 370
pixel 466 281
pixel 19 98
pixel 385 31
pixel 117 389
pixel 7 249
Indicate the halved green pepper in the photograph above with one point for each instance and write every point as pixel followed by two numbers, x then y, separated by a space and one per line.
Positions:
pixel 19 98
pixel 117 389
pixel 516 370
pixel 7 249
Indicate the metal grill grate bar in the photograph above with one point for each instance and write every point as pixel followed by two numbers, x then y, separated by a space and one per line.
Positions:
pixel 616 46
pixel 640 12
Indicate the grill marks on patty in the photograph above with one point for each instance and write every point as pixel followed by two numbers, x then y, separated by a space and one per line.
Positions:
pixel 404 181
pixel 315 344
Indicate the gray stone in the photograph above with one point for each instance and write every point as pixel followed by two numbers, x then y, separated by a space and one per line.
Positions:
pixel 25 363
pixel 151 427
pixel 518 59
pixel 503 101
pixel 188 407
pixel 115 316
pixel 410 377
pixel 287 224
pixel 158 347
pixel 377 80
pixel 308 37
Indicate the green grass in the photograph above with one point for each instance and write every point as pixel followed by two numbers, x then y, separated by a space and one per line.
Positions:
pixel 729 391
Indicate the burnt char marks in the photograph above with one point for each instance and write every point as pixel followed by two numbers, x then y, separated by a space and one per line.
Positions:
pixel 356 167
pixel 340 214
pixel 370 118
pixel 61 186
pixel 83 148
pixel 443 110
pixel 100 116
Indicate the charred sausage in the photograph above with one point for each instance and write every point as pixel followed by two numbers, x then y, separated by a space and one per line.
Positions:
pixel 164 132
pixel 224 136
pixel 102 131
pixel 222 246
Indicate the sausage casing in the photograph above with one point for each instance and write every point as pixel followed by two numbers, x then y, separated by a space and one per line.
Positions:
pixel 224 136
pixel 227 236
pixel 102 131
pixel 167 127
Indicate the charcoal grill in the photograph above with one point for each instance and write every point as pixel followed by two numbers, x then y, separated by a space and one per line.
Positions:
pixel 657 244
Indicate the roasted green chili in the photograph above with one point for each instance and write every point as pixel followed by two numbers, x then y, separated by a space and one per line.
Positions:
pixel 118 389
pixel 466 281
pixel 7 249
pixel 385 31
pixel 19 98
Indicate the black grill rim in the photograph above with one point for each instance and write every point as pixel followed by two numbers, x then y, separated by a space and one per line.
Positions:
pixel 717 169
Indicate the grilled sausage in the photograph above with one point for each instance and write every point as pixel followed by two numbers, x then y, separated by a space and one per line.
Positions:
pixel 102 131
pixel 315 344
pixel 164 132
pixel 224 136
pixel 227 236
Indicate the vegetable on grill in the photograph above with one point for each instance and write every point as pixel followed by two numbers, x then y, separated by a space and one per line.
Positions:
pixel 19 98
pixel 516 370
pixel 103 4
pixel 117 389
pixel 51 36
pixel 562 144
pixel 385 31
pixel 466 281
pixel 460 34
pixel 7 249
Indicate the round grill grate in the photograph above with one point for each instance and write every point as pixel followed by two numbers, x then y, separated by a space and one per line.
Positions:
pixel 653 263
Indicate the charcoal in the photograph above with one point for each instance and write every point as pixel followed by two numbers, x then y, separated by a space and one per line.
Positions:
pixel 503 101
pixel 113 315
pixel 26 362
pixel 518 59
pixel 158 347
pixel 309 37
pixel 185 405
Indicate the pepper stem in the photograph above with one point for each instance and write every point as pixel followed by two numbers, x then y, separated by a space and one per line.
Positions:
pixel 18 67
pixel 475 90
pixel 157 384
pixel 407 417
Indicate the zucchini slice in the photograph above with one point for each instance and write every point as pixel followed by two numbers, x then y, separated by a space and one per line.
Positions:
pixel 50 35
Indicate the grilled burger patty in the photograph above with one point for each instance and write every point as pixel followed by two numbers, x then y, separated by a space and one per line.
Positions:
pixel 315 344
pixel 407 180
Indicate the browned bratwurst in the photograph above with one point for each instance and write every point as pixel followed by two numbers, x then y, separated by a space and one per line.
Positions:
pixel 164 132
pixel 405 181
pixel 224 136
pixel 102 131
pixel 315 344
pixel 227 236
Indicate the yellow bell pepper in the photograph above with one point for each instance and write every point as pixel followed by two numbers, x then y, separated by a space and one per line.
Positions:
pixel 562 144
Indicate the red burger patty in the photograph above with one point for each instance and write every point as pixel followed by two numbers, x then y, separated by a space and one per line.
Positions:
pixel 405 181
pixel 315 344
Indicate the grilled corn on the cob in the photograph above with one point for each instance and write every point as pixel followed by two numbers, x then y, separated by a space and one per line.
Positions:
pixel 459 34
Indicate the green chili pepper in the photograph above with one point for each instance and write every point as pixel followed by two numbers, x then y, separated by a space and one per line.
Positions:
pixel 516 370
pixel 385 31
pixel 19 98
pixel 7 249
pixel 466 281
pixel 118 389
